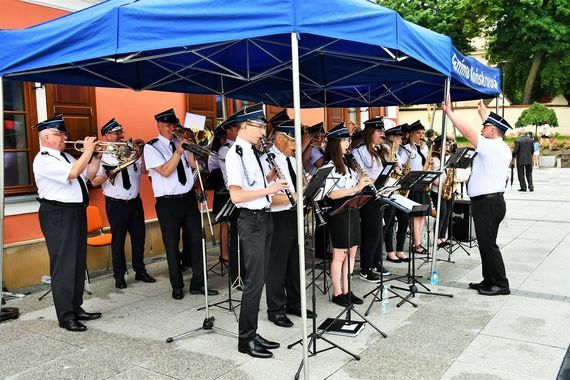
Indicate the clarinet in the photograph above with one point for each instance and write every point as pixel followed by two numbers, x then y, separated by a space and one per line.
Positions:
pixel 361 172
pixel 274 166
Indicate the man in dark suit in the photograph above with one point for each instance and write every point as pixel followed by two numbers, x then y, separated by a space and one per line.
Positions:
pixel 524 148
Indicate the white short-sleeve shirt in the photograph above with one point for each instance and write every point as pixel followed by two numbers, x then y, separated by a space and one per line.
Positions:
pixel 244 170
pixel 51 172
pixel 158 152
pixel 372 165
pixel 117 190
pixel 416 163
pixel 336 181
pixel 222 152
pixel 281 160
pixel 489 167
pixel 316 154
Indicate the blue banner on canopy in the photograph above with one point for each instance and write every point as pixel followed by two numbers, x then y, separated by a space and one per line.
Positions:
pixel 474 74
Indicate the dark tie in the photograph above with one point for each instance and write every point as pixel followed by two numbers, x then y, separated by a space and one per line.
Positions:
pixel 292 173
pixel 260 168
pixel 126 178
pixel 84 192
pixel 180 167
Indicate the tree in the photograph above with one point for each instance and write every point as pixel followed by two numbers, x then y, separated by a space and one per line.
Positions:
pixel 455 18
pixel 533 39
pixel 537 115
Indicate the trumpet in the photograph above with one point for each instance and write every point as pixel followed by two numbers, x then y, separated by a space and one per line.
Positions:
pixel 125 152
pixel 198 141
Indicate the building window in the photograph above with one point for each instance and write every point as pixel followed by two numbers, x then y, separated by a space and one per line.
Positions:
pixel 20 144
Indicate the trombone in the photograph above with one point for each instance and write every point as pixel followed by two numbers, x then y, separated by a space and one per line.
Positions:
pixel 199 141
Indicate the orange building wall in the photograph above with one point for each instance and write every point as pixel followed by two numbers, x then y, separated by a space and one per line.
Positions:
pixel 134 110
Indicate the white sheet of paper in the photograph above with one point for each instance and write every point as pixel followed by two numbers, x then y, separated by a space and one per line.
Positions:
pixel 194 121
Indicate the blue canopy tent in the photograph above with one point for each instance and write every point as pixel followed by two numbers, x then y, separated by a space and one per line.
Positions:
pixel 282 52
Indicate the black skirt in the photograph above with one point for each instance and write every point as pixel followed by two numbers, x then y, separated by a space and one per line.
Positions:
pixel 421 197
pixel 344 227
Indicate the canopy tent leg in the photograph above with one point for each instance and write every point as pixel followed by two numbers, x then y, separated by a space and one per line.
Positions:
pixel 299 185
pixel 446 91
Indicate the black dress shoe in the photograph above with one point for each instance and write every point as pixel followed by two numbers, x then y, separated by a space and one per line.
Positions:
pixel 475 285
pixel 522 189
pixel 144 277
pixel 297 312
pixel 268 345
pixel 85 316
pixel 532 189
pixel 340 300
pixel 211 292
pixel 177 293
pixel 355 300
pixel 253 349
pixel 73 325
pixel 494 291
pixel 443 244
pixel 120 283
pixel 281 320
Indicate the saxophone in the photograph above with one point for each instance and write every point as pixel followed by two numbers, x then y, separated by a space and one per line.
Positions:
pixel 447 187
pixel 406 170
pixel 428 164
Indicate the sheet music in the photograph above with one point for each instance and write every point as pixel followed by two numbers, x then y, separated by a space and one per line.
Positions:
pixel 407 203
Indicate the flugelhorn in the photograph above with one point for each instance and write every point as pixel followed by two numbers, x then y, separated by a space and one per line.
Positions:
pixel 125 152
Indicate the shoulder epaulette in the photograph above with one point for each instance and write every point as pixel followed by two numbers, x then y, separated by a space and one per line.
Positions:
pixel 44 153
pixel 359 145
pixel 152 141
pixel 226 144
pixel 239 150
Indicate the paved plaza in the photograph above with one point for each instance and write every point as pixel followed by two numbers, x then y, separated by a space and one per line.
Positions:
pixel 522 336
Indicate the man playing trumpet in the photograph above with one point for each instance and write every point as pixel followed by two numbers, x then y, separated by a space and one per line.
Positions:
pixel 124 209
pixel 63 197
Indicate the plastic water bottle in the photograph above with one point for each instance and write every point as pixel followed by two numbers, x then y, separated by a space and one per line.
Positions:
pixel 385 300
pixel 434 281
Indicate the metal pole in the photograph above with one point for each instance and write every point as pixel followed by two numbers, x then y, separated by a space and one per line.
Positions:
pixel 224 105
pixel 440 184
pixel 300 213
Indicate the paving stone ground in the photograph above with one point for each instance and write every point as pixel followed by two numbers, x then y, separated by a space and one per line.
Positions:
pixel 522 336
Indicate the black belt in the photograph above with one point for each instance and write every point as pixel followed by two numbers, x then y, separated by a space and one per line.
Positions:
pixel 60 204
pixel 254 212
pixel 116 200
pixel 176 196
pixel 486 196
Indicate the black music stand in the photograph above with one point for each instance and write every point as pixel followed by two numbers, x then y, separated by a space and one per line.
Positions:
pixel 415 180
pixel 461 159
pixel 208 323
pixel 309 198
pixel 354 202
pixel 319 209
pixel 229 211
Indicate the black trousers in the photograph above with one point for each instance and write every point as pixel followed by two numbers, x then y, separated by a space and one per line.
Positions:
pixel 255 232
pixel 444 214
pixel 282 287
pixel 369 234
pixel 173 215
pixel 390 216
pixel 321 239
pixel 522 172
pixel 487 215
pixel 65 231
pixel 126 216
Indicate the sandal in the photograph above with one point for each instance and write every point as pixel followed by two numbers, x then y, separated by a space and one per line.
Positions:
pixel 403 258
pixel 443 244
pixel 420 250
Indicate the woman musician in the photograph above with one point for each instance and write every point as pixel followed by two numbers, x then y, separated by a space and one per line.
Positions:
pixel 394 140
pixel 418 160
pixel 370 156
pixel 344 227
